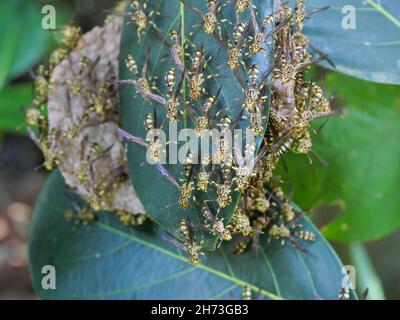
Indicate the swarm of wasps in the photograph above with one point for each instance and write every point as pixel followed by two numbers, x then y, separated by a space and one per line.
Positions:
pixel 294 102
pixel 74 100
pixel 36 114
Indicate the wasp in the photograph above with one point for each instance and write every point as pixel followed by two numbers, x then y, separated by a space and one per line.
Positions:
pixel 300 13
pixel 35 118
pixel 235 49
pixel 149 121
pixel 344 293
pixel 287 211
pixel 154 147
pixel 254 92
pixel 242 181
pixel 244 173
pixel 41 86
pixel 306 235
pixel 80 215
pixel 71 34
pixel 234 58
pixel 278 193
pixel 224 197
pixel 257 44
pixel 176 49
pixel 246 295
pixel 184 230
pixel 283 148
pixel 196 86
pixel 191 247
pixel 216 226
pixel 242 246
pixel 202 124
pixel 268 20
pixel 225 124
pixel 197 77
pixel 227 166
pixel 131 65
pixel 170 80
pixel 223 152
pixel 242 178
pixel 140 18
pixel 209 20
pixel 172 104
pixel 100 104
pixel 256 121
pixel 283 233
pixel 131 220
pixel 260 37
pixel 203 182
pixel 203 121
pixel 203 177
pixel 287 71
pixel 85 173
pixel 84 63
pixel 188 164
pixel 143 85
pixel 303 145
pixel 210 102
pixel 238 32
pixel 186 188
pixel 188 242
pixel 242 5
pixel 260 203
pixel 240 223
pixel 254 74
pixel 252 96
pixel 197 59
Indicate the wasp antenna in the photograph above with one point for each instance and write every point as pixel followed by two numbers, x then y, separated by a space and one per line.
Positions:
pixel 127 136
pixel 317 10
pixel 166 174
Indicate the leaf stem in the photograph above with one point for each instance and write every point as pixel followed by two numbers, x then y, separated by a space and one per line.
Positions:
pixel 383 11
pixel 201 266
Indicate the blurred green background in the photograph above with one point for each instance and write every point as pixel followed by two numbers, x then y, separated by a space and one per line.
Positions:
pixel 24 45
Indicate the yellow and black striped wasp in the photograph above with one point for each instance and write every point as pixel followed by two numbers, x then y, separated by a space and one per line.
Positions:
pixel 187 242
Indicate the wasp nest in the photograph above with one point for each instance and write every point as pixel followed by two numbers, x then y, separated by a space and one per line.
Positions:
pixel 83 113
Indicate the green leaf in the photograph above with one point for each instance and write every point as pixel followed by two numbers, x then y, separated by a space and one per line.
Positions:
pixel 371 51
pixel 9 33
pixel 157 195
pixel 362 152
pixel 109 261
pixel 23 41
pixel 12 101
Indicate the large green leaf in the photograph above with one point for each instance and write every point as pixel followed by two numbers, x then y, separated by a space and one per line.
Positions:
pixel 23 41
pixel 109 261
pixel 371 51
pixel 12 101
pixel 157 194
pixel 9 33
pixel 362 152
